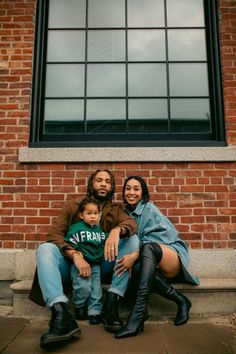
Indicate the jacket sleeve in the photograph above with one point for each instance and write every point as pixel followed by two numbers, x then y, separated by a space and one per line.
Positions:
pixel 155 226
pixel 115 216
pixel 60 225
pixel 127 222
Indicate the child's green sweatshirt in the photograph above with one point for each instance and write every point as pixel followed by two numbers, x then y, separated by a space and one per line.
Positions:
pixel 89 240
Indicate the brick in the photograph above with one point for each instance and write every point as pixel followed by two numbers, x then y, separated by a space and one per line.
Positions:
pixel 8 244
pixel 169 189
pixel 63 189
pixel 51 197
pixel 38 189
pixel 203 228
pixel 20 245
pixel 158 173
pixel 32 245
pixel 32 237
pixel 192 219
pixel 11 236
pixel 192 189
pixel 208 245
pixel 178 211
pixel 216 188
pixel 217 219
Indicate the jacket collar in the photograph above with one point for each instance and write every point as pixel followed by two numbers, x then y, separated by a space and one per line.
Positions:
pixel 139 208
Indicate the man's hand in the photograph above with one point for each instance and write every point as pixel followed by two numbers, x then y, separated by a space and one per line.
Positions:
pixel 111 244
pixel 82 266
pixel 125 263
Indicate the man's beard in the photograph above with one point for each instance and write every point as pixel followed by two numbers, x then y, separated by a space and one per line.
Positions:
pixel 101 198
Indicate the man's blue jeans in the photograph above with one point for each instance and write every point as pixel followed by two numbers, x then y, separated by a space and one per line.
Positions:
pixel 54 270
pixel 87 290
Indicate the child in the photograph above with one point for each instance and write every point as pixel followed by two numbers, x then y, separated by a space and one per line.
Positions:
pixel 88 239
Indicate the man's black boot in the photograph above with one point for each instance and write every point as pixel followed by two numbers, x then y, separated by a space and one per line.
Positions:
pixel 62 326
pixel 110 317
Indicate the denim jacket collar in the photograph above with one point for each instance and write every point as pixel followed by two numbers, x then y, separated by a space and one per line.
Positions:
pixel 139 208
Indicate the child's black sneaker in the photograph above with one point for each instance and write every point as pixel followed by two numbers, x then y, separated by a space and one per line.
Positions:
pixel 94 319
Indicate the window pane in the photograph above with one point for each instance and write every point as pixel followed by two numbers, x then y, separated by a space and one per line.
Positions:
pixel 106 80
pixel 148 115
pixel 106 13
pixel 148 13
pixel 188 80
pixel 64 110
pixel 190 115
pixel 106 116
pixel 106 45
pixel 65 80
pixel 147 80
pixel 183 13
pixel 69 13
pixel 148 109
pixel 146 45
pixel 194 108
pixel 187 44
pixel 66 46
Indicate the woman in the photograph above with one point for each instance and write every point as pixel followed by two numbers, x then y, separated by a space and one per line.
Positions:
pixel 163 255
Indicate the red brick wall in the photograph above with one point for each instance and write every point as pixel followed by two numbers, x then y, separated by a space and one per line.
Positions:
pixel 199 198
pixel 227 12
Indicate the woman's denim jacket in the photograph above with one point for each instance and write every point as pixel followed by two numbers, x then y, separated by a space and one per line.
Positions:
pixel 153 226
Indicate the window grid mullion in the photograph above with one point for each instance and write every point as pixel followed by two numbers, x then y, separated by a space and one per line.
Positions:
pixel 85 70
pixel 126 68
pixel 167 69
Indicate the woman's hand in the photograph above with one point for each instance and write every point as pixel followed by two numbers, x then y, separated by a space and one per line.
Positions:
pixel 111 244
pixel 125 263
pixel 81 264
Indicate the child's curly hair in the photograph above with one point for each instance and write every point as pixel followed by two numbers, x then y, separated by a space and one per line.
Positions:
pixel 88 200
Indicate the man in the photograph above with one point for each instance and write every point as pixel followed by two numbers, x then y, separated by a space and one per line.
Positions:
pixel 54 259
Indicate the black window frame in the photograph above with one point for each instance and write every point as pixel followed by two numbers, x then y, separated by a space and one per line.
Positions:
pixel 216 138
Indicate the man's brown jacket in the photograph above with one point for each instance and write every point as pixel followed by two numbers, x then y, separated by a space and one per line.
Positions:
pixel 112 215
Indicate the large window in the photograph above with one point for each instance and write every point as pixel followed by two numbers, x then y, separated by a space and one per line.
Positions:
pixel 126 73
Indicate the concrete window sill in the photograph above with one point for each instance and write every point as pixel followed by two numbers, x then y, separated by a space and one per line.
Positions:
pixel 127 154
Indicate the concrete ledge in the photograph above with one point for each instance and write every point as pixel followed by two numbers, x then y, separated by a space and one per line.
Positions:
pixel 215 264
pixel 24 286
pixel 211 297
pixel 7 264
pixel 22 306
pixel 126 154
pixel 16 264
pixel 212 264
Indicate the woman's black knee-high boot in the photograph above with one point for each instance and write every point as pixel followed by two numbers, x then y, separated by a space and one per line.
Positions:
pixel 131 292
pixel 163 288
pixel 150 256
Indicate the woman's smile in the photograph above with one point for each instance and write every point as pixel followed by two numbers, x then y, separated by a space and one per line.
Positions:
pixel 133 192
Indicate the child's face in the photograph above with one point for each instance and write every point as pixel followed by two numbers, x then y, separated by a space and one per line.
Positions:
pixel 90 214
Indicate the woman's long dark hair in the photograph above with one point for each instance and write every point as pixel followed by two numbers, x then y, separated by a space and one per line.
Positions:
pixel 90 183
pixel 145 192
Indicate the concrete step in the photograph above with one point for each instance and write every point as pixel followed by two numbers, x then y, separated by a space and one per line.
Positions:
pixel 6 295
pixel 6 310
pixel 212 297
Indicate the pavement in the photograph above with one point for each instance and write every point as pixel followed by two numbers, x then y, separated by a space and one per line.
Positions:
pixel 198 336
pixel 22 335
